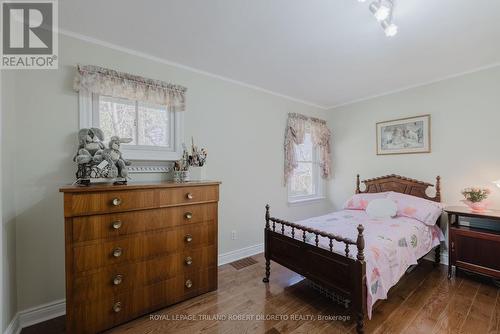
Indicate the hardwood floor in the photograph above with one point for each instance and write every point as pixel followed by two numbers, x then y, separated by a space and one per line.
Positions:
pixel 424 301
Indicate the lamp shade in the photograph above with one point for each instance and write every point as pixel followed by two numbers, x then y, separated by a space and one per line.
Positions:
pixel 497 183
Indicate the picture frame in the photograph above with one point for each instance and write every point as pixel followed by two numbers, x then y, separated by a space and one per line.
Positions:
pixel 408 135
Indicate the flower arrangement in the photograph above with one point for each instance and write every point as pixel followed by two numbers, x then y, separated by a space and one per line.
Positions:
pixel 475 198
pixel 197 158
pixel 476 195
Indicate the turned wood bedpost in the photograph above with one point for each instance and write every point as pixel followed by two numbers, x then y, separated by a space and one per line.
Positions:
pixel 360 243
pixel 438 188
pixel 437 251
pixel 266 246
pixel 358 190
pixel 267 216
pixel 359 302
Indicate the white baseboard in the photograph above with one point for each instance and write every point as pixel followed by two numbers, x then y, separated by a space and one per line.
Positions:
pixel 42 313
pixel 57 308
pixel 14 326
pixel 36 315
pixel 240 254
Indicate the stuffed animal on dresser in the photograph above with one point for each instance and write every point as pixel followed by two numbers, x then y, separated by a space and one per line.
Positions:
pixel 90 144
pixel 118 165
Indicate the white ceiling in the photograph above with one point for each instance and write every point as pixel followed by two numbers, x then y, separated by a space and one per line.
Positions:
pixel 326 52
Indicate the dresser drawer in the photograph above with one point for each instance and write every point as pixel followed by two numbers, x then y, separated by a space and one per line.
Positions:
pixel 94 255
pixel 113 280
pixel 476 251
pixel 109 201
pixel 187 195
pixel 200 281
pixel 99 315
pixel 119 224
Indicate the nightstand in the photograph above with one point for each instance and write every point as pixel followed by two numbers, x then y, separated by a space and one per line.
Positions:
pixel 471 248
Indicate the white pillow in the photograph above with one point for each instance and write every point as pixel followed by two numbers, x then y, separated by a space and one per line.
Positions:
pixel 382 208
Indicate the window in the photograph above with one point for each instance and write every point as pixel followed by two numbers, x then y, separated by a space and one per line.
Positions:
pixel 155 131
pixel 147 124
pixel 306 183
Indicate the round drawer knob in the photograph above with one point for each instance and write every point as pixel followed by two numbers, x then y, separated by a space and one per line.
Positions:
pixel 118 279
pixel 189 196
pixel 188 260
pixel 117 224
pixel 188 215
pixel 117 307
pixel 188 238
pixel 116 201
pixel 189 284
pixel 117 252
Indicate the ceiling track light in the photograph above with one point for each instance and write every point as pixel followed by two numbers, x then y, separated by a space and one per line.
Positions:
pixel 390 29
pixel 379 11
pixel 383 11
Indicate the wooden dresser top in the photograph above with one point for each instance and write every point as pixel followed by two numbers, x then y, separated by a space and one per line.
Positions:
pixel 464 211
pixel 133 186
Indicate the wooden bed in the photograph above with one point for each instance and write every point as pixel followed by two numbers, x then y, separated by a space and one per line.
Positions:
pixel 344 276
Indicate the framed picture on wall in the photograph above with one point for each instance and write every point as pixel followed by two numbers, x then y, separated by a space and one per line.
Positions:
pixel 404 136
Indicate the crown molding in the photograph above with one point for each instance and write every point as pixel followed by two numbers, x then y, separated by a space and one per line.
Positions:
pixel 148 56
pixel 422 84
pixel 144 55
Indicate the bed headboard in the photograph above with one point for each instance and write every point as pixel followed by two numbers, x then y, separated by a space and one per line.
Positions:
pixel 399 184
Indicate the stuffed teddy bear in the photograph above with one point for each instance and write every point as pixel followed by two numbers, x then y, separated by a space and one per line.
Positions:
pixel 90 145
pixel 118 165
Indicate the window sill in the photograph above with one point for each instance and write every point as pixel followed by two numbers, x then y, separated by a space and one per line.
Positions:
pixel 305 201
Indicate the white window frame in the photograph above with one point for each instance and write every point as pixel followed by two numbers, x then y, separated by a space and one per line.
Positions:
pixel 89 117
pixel 319 184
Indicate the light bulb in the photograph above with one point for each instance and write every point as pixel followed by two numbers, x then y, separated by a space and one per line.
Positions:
pixel 380 12
pixel 390 29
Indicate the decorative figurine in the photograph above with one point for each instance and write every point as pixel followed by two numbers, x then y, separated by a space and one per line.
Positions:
pixel 118 165
pixel 90 144
pixel 95 162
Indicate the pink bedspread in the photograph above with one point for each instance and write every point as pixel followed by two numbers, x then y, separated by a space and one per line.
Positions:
pixel 391 245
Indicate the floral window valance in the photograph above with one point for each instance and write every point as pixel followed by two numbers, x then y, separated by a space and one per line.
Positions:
pixel 294 135
pixel 99 80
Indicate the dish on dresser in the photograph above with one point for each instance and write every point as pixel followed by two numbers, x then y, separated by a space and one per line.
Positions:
pixel 354 256
pixel 133 249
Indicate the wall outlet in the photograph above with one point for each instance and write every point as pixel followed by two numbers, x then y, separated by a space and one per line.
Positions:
pixel 233 235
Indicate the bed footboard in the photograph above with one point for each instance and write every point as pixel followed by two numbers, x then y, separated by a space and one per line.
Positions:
pixel 339 273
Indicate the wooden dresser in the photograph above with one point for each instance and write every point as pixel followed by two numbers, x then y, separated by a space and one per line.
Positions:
pixel 134 249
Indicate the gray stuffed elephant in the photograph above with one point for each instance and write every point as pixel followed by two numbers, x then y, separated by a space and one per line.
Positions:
pixel 90 144
pixel 118 165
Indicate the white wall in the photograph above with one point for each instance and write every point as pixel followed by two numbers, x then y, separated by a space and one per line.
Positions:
pixel 242 129
pixel 465 120
pixel 2 242
pixel 7 218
